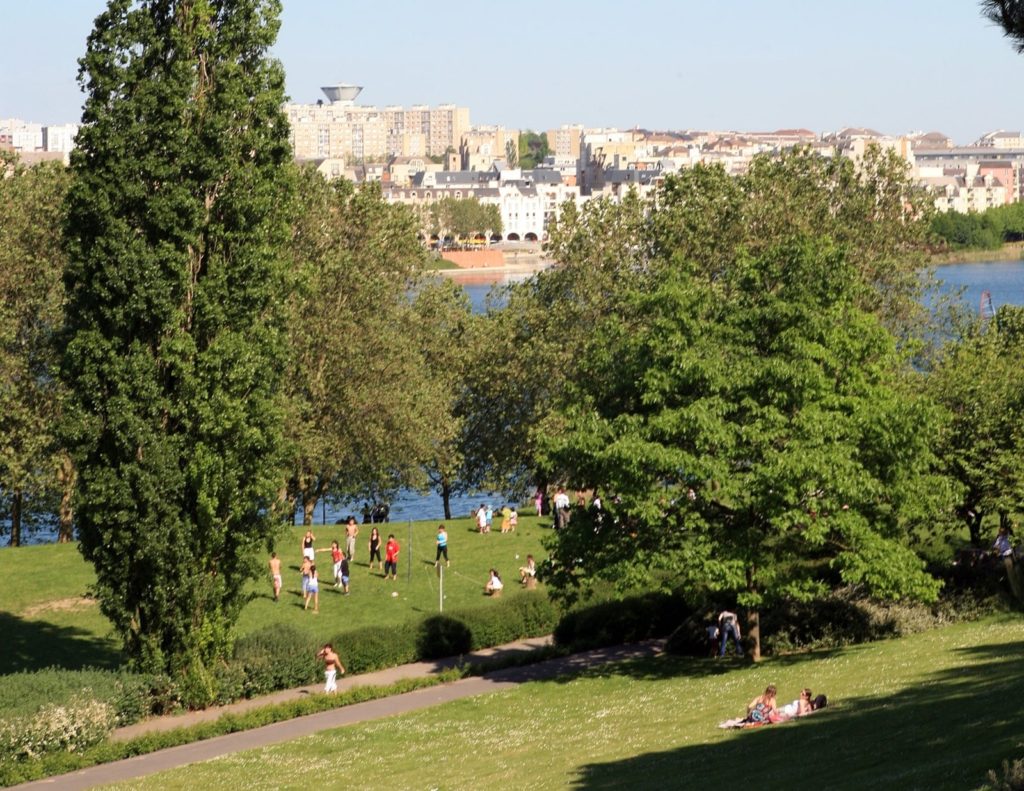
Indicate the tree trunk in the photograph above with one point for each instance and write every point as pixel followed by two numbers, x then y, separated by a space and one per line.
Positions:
pixel 446 498
pixel 309 502
pixel 16 506
pixel 754 630
pixel 67 476
pixel 753 618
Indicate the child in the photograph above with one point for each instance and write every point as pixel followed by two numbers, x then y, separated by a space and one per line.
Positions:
pixel 391 558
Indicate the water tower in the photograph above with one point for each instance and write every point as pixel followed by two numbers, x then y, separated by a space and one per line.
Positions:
pixel 342 93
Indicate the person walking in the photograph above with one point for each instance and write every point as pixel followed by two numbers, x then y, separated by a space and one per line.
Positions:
pixel 332 665
pixel 442 546
pixel 729 624
pixel 391 550
pixel 275 574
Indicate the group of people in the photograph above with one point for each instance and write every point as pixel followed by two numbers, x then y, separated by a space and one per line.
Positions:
pixel 484 517
pixel 765 710
pixel 340 560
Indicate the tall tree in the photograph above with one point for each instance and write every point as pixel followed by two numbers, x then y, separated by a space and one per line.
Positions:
pixel 980 380
pixel 31 306
pixel 752 429
pixel 357 416
pixel 177 219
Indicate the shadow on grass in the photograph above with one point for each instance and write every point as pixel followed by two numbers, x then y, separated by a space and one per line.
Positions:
pixel 946 732
pixel 33 645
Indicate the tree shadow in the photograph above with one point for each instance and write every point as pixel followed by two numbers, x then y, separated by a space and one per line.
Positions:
pixel 943 733
pixel 34 645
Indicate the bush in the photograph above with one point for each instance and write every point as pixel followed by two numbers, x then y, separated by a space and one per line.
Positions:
pixel 441 636
pixel 627 620
pixel 130 695
pixel 373 648
pixel 69 727
pixel 1011 780
pixel 272 659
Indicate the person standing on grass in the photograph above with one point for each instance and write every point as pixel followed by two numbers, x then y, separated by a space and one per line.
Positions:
pixel 391 558
pixel 351 531
pixel 307 564
pixel 374 545
pixel 312 590
pixel 489 516
pixel 729 624
pixel 344 574
pixel 336 557
pixel 307 546
pixel 538 500
pixel 332 665
pixel 561 508
pixel 513 519
pixel 481 518
pixel 275 574
pixel 442 546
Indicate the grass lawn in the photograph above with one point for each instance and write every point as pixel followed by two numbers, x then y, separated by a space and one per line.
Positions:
pixel 931 711
pixel 47 620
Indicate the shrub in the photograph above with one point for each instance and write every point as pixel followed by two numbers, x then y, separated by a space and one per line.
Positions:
pixel 441 636
pixel 68 727
pixel 1011 780
pixel 273 659
pixel 626 620
pixel 373 648
pixel 130 695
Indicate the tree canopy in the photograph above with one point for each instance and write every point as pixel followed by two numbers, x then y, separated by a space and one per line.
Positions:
pixel 31 306
pixel 729 373
pixel 177 217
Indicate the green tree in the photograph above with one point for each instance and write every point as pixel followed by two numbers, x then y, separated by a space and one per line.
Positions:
pixel 754 428
pixel 533 147
pixel 31 305
pixel 177 219
pixel 357 417
pixel 446 335
pixel 461 218
pixel 980 380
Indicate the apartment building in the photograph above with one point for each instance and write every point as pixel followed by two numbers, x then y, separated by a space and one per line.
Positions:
pixel 342 129
pixel 482 146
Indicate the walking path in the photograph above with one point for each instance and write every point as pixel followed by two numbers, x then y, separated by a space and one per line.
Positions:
pixel 174 757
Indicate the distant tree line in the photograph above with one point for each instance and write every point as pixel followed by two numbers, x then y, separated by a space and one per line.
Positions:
pixel 987 230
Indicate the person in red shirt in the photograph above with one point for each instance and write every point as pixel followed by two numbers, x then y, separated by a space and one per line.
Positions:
pixel 391 558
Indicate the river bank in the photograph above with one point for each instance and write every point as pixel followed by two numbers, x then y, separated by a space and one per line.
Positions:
pixel 1013 251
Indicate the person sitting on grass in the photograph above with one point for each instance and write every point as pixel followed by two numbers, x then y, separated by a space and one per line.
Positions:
pixel 529 570
pixel 494 583
pixel 761 708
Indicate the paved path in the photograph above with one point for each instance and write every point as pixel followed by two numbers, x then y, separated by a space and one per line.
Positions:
pixel 347 715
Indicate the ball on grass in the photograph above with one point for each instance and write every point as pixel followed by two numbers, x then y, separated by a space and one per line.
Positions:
pixel 394 594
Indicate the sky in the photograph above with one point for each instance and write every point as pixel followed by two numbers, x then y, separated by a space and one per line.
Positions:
pixel 751 65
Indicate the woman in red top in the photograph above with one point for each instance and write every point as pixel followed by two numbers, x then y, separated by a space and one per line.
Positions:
pixel 391 558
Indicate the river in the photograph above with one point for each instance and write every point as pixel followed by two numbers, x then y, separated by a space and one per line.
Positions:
pixel 1004 280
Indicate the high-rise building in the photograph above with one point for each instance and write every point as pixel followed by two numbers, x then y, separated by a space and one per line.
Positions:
pixel 342 129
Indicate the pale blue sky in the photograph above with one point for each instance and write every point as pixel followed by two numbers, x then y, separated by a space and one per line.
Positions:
pixel 895 65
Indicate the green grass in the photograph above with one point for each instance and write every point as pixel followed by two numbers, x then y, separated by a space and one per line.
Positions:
pixel 931 711
pixel 47 620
